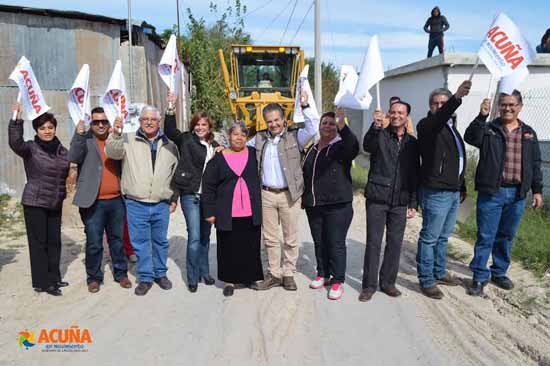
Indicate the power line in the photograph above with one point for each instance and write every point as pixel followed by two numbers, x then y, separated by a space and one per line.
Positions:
pixel 258 8
pixel 289 20
pixel 302 22
pixel 276 17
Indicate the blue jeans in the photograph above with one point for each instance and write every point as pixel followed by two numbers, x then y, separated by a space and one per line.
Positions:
pixel 198 238
pixel 104 216
pixel 498 218
pixel 439 210
pixel 148 228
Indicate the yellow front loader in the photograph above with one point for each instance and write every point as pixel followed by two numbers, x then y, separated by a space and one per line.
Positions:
pixel 260 75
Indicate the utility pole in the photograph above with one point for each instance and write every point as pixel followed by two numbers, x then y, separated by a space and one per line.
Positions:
pixel 178 15
pixel 130 58
pixel 318 75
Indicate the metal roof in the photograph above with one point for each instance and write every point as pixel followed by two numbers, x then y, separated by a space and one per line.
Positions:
pixel 61 13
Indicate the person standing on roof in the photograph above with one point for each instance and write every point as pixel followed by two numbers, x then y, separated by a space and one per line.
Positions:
pixel 436 25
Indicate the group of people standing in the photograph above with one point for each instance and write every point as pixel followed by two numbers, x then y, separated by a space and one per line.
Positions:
pixel 258 186
pixel 406 172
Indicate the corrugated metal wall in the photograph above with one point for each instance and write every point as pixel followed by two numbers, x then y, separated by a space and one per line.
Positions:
pixel 57 48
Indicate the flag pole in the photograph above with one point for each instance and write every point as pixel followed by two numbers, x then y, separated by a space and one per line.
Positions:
pixel 490 86
pixel 170 89
pixel 474 68
pixel 14 117
pixel 119 107
pixel 378 94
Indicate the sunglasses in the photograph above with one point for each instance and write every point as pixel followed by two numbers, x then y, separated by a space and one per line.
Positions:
pixel 97 122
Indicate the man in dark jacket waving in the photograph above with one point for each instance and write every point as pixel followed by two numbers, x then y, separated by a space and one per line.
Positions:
pixel 390 196
pixel 442 186
pixel 435 26
pixel 509 166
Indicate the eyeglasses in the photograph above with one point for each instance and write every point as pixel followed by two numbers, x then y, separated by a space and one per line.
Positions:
pixel 149 119
pixel 97 122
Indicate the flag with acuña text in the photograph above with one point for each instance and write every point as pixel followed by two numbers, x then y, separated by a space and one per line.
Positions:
pixel 32 99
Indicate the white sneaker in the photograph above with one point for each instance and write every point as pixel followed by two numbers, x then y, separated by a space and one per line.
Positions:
pixel 336 291
pixel 318 282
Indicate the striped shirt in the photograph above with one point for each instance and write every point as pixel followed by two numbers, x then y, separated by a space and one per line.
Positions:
pixel 512 160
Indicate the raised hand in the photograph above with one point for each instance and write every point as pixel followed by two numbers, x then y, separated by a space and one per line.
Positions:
pixel 16 107
pixel 485 108
pixel 171 100
pixel 340 117
pixel 81 128
pixel 463 89
pixel 117 126
pixel 303 98
pixel 378 118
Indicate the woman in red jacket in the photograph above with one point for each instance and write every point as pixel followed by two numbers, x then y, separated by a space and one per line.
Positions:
pixel 46 167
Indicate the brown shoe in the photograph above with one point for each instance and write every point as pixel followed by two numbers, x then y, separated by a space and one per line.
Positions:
pixel 366 294
pixel 289 284
pixel 142 288
pixel 449 280
pixel 391 291
pixel 269 282
pixel 124 282
pixel 93 287
pixel 164 283
pixel 432 292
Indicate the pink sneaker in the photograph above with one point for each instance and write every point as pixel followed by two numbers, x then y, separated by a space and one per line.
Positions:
pixel 318 283
pixel 336 291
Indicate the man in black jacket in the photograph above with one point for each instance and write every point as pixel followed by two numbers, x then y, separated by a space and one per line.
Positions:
pixel 435 26
pixel 509 166
pixel 390 196
pixel 442 187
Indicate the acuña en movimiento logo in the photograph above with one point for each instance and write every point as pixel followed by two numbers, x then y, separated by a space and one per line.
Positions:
pixel 72 339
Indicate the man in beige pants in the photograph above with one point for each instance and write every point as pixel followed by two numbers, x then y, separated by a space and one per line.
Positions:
pixel 278 151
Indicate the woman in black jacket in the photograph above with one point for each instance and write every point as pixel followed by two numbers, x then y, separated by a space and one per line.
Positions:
pixel 46 167
pixel 196 148
pixel 327 198
pixel 232 201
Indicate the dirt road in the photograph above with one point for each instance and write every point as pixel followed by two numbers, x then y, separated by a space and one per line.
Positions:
pixel 276 327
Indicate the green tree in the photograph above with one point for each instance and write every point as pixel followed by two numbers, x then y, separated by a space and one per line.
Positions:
pixel 330 79
pixel 199 48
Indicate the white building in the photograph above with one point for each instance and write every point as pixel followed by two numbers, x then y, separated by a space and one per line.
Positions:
pixel 414 82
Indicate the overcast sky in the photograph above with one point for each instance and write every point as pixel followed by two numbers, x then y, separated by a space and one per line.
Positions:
pixel 346 24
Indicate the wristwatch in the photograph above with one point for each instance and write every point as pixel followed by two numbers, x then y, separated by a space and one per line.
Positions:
pixel 304 106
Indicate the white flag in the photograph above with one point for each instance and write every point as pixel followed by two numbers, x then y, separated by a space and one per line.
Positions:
pixel 348 83
pixel 32 100
pixel 354 89
pixel 170 65
pixel 79 97
pixel 114 101
pixel 372 72
pixel 303 85
pixel 513 81
pixel 505 50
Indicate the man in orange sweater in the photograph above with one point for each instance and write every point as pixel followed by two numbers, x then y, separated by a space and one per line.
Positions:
pixel 99 197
